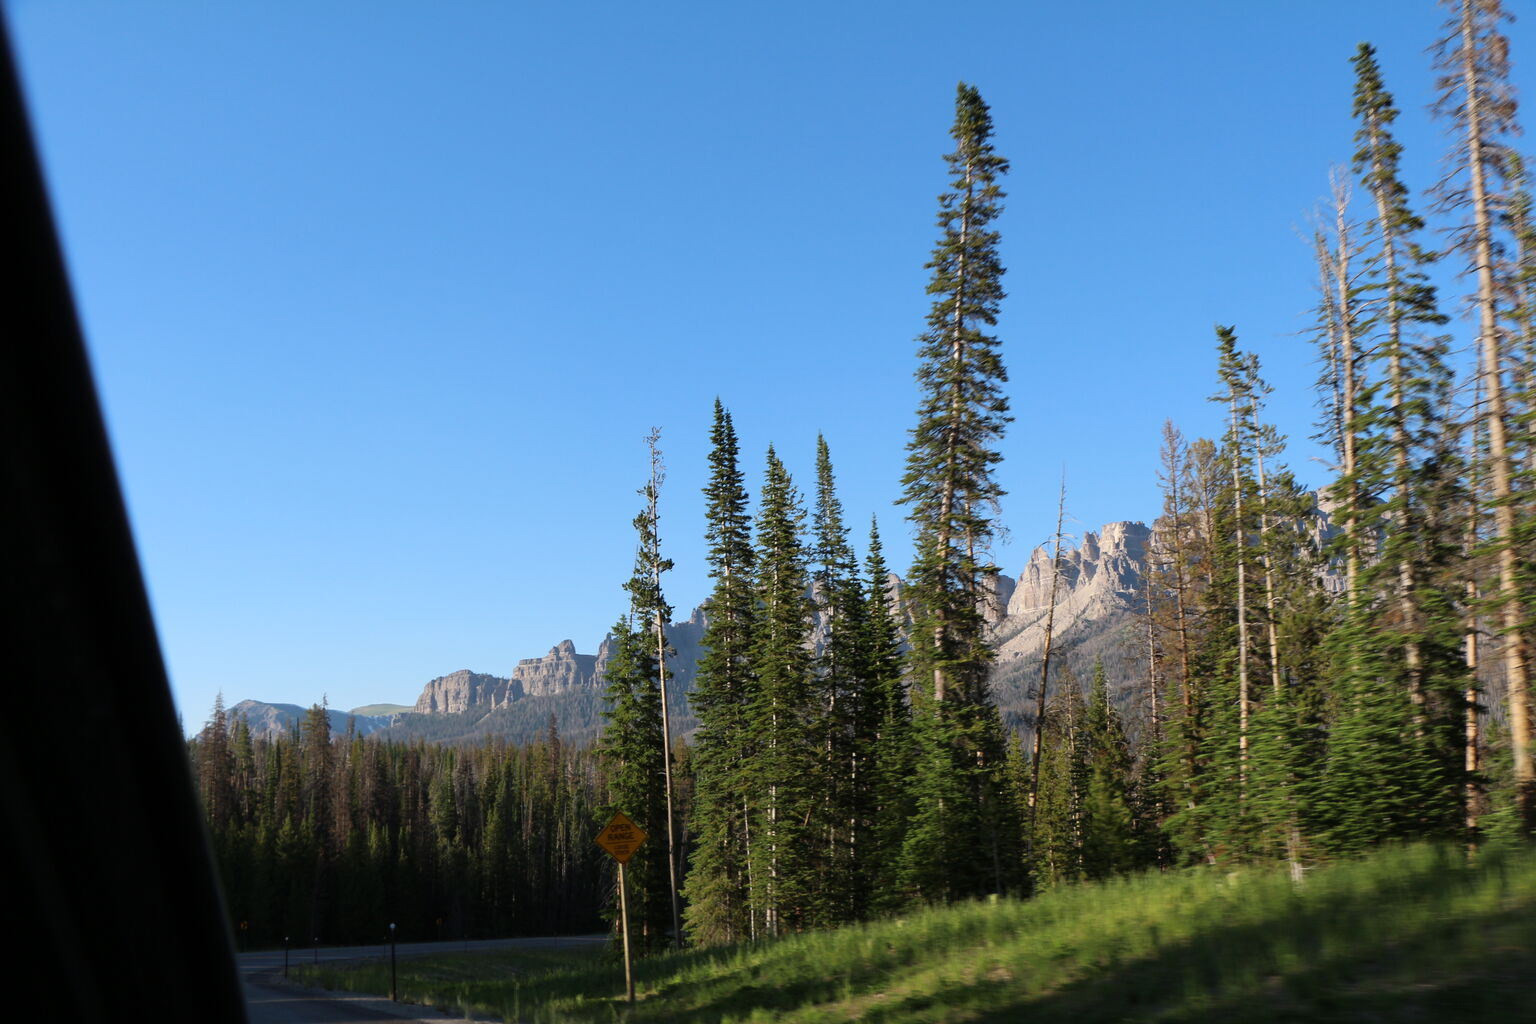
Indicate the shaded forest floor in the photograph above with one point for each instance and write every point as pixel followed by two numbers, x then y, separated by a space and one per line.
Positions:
pixel 1408 934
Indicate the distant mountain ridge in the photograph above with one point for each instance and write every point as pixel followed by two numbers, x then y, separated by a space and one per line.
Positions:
pixel 1100 594
pixel 267 719
pixel 1100 590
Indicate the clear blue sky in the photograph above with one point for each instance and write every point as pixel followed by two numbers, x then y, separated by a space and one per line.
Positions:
pixel 382 297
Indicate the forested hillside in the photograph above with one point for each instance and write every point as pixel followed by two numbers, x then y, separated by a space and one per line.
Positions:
pixel 1294 688
pixel 333 837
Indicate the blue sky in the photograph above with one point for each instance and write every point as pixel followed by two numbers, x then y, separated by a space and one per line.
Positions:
pixel 382 297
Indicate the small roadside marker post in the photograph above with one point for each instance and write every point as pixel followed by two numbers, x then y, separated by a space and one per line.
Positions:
pixel 629 971
pixel 621 837
pixel 394 993
pixel 285 956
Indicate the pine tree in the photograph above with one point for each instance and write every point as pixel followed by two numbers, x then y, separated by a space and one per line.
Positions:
pixel 1110 842
pixel 716 889
pixel 1289 726
pixel 1520 280
pixel 1172 606
pixel 651 607
pixel 1407 605
pixel 315 734
pixel 1037 739
pixel 1476 95
pixel 1228 549
pixel 951 495
pixel 1342 321
pixel 850 711
pixel 216 768
pixel 1238 375
pixel 1057 827
pixel 632 755
pixel 1149 783
pixel 890 763
pixel 633 743
pixel 785 720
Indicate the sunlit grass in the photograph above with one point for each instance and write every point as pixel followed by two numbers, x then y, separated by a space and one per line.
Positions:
pixel 1413 933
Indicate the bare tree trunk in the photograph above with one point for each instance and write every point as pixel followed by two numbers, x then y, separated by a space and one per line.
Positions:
pixel 1155 698
pixel 1407 591
pixel 658 474
pixel 1242 609
pixel 952 445
pixel 1332 347
pixel 1072 777
pixel 1045 666
pixel 1269 577
pixel 1152 691
pixel 1472 795
pixel 1348 363
pixel 1174 466
pixel 746 849
pixel 1494 416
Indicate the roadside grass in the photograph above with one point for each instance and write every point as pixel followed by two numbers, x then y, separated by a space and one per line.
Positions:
pixel 1407 934
pixel 478 982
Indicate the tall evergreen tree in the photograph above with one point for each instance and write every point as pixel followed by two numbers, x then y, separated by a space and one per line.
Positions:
pixel 1240 395
pixel 319 756
pixel 1173 605
pixel 1476 95
pixel 1110 842
pixel 651 608
pixel 1406 612
pixel 1037 740
pixel 633 742
pixel 632 755
pixel 783 716
pixel 951 494
pixel 216 768
pixel 1057 824
pixel 890 762
pixel 1232 542
pixel 717 883
pixel 849 716
pixel 1288 724
pixel 1342 321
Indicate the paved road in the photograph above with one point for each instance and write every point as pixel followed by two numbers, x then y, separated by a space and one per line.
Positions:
pixel 271 1000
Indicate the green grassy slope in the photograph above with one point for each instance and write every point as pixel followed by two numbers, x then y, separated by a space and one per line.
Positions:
pixel 381 709
pixel 1413 934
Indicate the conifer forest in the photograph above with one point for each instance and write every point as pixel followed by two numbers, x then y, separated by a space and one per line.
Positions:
pixel 1321 673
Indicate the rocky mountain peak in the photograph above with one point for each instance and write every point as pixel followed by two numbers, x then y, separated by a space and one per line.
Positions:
pixel 1100 577
pixel 559 671
pixel 461 690
pixel 1125 538
pixel 1102 585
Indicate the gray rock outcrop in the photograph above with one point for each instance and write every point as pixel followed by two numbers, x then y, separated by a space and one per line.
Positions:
pixel 560 671
pixel 1101 589
pixel 462 690
pixel 1101 578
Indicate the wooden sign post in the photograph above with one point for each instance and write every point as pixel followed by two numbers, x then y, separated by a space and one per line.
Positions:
pixel 621 838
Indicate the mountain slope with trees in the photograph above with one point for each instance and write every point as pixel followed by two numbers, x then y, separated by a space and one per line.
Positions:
pixel 1250 680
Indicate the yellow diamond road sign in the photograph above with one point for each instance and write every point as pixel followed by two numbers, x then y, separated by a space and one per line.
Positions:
pixel 621 838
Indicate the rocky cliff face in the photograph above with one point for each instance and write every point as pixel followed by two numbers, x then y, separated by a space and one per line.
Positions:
pixel 684 637
pixel 462 690
pixel 1100 590
pixel 559 671
pixel 1100 578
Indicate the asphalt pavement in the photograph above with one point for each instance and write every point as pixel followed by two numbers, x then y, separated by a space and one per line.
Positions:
pixel 270 999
